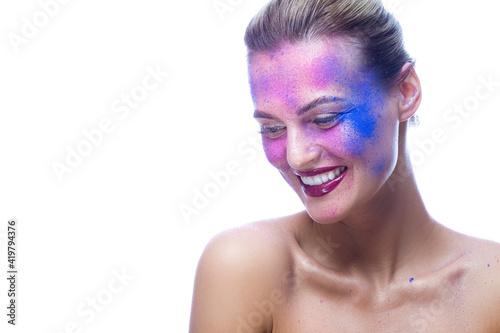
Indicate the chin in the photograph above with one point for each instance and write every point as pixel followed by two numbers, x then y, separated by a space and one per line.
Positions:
pixel 325 215
pixel 330 207
pixel 324 210
pixel 342 203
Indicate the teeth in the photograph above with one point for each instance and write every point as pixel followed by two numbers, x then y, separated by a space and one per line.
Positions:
pixel 324 177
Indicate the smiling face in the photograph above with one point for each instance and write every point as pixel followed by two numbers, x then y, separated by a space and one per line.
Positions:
pixel 326 125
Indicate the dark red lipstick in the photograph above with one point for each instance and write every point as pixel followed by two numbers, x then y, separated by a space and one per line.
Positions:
pixel 324 188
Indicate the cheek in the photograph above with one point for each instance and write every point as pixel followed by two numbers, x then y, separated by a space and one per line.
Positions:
pixel 275 151
pixel 353 137
pixel 360 130
pixel 369 137
pixel 363 137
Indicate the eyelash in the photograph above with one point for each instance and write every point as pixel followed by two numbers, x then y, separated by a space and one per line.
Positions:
pixel 331 118
pixel 326 120
pixel 272 129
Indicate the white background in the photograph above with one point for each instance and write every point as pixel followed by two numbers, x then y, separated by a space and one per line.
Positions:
pixel 119 209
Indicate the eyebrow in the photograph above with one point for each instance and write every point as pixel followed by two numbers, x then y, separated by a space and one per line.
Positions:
pixel 317 102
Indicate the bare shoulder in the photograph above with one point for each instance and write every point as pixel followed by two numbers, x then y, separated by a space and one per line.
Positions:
pixel 238 271
pixel 260 245
pixel 482 258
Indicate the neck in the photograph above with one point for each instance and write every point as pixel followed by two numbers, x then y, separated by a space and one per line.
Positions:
pixel 381 239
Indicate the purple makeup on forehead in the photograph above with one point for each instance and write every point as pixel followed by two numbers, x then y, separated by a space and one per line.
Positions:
pixel 280 84
pixel 327 70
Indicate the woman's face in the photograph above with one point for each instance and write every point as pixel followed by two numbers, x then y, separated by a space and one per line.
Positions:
pixel 329 129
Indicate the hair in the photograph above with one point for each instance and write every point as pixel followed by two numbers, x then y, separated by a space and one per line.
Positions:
pixel 374 29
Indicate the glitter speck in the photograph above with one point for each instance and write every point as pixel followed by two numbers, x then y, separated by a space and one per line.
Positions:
pixel 321 301
pixel 411 280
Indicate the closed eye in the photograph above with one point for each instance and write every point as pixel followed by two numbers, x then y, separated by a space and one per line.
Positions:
pixel 327 121
pixel 272 131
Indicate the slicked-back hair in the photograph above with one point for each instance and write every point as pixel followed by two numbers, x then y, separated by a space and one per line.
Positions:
pixel 375 30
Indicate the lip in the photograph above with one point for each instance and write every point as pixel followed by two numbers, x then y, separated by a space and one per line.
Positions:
pixel 316 171
pixel 323 189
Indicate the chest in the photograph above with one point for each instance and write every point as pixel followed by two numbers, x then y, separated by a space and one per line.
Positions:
pixel 310 311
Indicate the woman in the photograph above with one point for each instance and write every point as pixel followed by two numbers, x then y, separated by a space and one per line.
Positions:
pixel 334 91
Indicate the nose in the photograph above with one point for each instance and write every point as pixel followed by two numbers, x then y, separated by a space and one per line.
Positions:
pixel 302 151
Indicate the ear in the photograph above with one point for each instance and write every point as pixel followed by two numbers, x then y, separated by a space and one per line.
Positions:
pixel 410 94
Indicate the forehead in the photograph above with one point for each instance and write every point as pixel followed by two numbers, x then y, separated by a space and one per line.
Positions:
pixel 293 72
